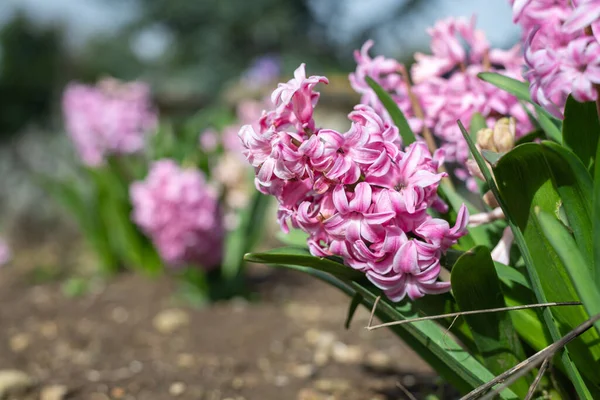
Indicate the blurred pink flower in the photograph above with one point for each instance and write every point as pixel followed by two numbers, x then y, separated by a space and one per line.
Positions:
pixel 109 118
pixel 209 140
pixel 180 213
pixel 356 193
pixel 5 253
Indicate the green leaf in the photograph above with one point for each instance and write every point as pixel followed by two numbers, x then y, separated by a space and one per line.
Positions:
pixel 517 88
pixel 114 210
pixel 476 286
pixel 243 239
pixel 596 218
pixel 574 185
pixel 511 274
pixel 530 137
pixel 357 299
pixel 521 91
pixel 581 130
pixel 520 188
pixel 477 123
pixel 491 156
pixel 302 257
pixel 525 182
pixel 565 246
pixel 396 114
pixel 83 207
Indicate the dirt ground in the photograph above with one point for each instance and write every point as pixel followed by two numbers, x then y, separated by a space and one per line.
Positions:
pixel 129 338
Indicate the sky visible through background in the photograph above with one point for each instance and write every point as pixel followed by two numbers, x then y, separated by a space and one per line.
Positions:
pixel 85 18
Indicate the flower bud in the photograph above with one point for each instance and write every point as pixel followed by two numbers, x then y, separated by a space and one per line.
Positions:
pixel 485 139
pixel 474 169
pixel 504 134
pixel 490 199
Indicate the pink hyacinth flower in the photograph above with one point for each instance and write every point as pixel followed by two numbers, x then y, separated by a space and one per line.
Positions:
pixel 109 118
pixel 180 213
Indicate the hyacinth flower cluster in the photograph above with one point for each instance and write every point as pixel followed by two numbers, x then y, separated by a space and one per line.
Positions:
pixel 180 213
pixel 358 194
pixel 562 50
pixel 443 87
pixel 109 118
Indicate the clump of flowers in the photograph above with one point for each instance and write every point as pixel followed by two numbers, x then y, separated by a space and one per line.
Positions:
pixel 562 49
pixel 109 118
pixel 177 209
pixel 357 194
pixel 5 254
pixel 445 87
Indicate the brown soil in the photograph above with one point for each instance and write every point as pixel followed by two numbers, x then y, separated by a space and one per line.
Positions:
pixel 129 338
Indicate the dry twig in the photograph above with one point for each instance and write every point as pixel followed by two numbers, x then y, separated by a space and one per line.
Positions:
pixel 458 314
pixel 406 391
pixel 537 379
pixel 514 373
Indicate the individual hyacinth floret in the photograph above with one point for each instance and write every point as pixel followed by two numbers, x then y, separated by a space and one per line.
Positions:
pixel 445 86
pixel 109 118
pixel 357 194
pixel 562 50
pixel 180 213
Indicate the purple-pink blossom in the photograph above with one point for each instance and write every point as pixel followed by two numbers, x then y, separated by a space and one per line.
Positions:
pixel 358 194
pixel 5 253
pixel 445 86
pixel 180 213
pixel 109 118
pixel 562 50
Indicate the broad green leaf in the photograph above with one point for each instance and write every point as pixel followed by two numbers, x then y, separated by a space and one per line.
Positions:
pixel 521 91
pixel 528 325
pixel 491 156
pixel 520 188
pixel 396 114
pixel 511 274
pixel 531 116
pixel 574 185
pixel 114 210
pixel 302 257
pixel 243 239
pixel 357 299
pixel 517 88
pixel 548 125
pixel 581 130
pixel 530 137
pixel 565 246
pixel 596 218
pixel 507 274
pixel 477 123
pixel 476 286
pixel 525 182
